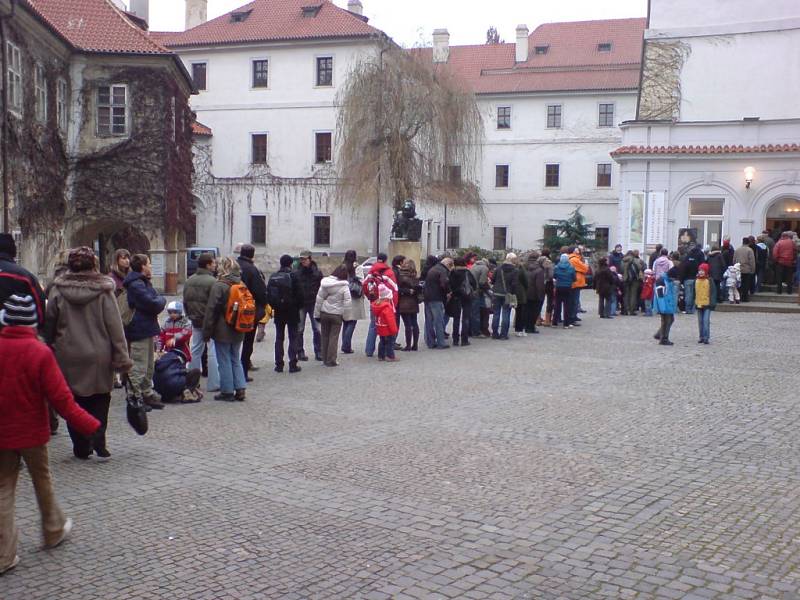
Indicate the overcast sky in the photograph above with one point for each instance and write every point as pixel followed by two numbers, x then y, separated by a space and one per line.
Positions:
pixel 410 22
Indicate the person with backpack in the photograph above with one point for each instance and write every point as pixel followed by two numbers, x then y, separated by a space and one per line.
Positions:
pixel 32 381
pixel 14 280
pixel 254 281
pixel 333 300
pixel 385 322
pixel 356 312
pixel 219 324
pixel 196 291
pixel 632 276
pixel 665 303
pixel 459 307
pixel 144 305
pixel 285 297
pixel 435 293
pixel 84 329
pixel 379 273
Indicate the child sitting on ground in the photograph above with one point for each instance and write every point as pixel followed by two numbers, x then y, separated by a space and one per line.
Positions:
pixel 176 332
pixel 647 291
pixel 385 323
pixel 171 379
pixel 30 380
pixel 733 279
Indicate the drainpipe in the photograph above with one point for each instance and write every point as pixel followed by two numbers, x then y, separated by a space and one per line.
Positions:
pixel 4 124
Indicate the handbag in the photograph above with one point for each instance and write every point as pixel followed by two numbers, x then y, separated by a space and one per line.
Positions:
pixel 509 299
pixel 135 410
pixel 355 288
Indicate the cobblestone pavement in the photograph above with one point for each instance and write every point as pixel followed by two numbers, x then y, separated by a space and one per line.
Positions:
pixel 589 463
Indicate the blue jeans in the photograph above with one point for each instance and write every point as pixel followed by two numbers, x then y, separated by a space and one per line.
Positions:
pixel 196 349
pixel 434 324
pixel 613 303
pixel 648 307
pixel 315 330
pixel 372 336
pixel 231 373
pixel 688 295
pixel 386 346
pixel 704 323
pixel 502 312
pixel 348 328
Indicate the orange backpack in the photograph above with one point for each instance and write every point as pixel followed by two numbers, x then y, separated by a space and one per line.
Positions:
pixel 241 310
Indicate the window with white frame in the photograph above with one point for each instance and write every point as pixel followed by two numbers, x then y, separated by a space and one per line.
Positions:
pixel 504 117
pixel 260 73
pixel 40 93
pixel 112 110
pixel 324 71
pixel 62 110
pixel 453 236
pixel 554 116
pixel 322 230
pixel 14 77
pixel 604 175
pixel 606 115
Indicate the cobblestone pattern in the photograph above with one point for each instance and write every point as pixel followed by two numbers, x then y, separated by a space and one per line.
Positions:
pixel 589 463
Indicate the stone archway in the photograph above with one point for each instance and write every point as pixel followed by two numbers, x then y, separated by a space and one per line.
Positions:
pixel 107 236
pixel 783 214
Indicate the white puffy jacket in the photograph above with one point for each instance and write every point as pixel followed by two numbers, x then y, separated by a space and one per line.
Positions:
pixel 333 297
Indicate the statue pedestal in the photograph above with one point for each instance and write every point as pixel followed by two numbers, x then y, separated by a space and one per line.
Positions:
pixel 412 250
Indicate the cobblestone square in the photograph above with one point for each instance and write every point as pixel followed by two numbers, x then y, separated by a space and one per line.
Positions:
pixel 589 463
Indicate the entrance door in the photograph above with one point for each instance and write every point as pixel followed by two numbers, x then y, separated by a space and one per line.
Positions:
pixel 783 215
pixel 706 217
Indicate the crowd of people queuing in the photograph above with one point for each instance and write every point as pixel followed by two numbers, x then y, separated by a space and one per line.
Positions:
pixel 100 327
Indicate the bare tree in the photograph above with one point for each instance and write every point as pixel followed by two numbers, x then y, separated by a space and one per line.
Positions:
pixel 405 127
pixel 492 36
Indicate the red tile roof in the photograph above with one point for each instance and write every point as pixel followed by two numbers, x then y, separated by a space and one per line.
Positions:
pixel 199 129
pixel 274 20
pixel 648 150
pixel 94 26
pixel 572 61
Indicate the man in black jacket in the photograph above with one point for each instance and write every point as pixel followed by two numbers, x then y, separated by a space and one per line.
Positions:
pixel 309 276
pixel 436 292
pixel 286 298
pixel 254 281
pixel 14 280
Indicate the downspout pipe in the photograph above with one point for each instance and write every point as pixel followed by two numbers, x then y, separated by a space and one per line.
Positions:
pixel 4 124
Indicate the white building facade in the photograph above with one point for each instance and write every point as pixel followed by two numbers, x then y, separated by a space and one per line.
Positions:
pixel 551 104
pixel 715 147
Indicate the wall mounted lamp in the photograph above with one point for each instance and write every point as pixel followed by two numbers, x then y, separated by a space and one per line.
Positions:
pixel 749 173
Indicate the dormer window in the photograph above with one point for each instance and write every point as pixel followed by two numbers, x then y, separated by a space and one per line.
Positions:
pixel 239 16
pixel 541 49
pixel 604 47
pixel 309 12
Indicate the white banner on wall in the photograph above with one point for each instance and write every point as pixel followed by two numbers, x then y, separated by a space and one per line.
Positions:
pixel 656 218
pixel 636 220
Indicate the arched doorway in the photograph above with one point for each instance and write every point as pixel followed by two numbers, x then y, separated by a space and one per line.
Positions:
pixel 107 236
pixel 783 215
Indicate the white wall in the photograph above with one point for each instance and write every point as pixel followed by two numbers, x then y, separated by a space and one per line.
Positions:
pixel 679 14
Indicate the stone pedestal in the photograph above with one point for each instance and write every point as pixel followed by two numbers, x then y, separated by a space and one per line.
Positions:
pixel 412 250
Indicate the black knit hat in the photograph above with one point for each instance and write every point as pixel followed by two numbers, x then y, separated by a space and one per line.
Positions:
pixel 8 245
pixel 19 311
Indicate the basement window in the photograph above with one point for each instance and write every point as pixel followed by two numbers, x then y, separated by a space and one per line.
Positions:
pixel 604 47
pixel 541 49
pixel 112 110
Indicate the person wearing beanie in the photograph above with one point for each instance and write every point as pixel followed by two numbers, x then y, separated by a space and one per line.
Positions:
pixel 564 275
pixel 85 331
pixel 14 280
pixel 704 301
pixel 30 381
pixel 647 291
pixel 285 297
pixel 254 280
pixel 385 322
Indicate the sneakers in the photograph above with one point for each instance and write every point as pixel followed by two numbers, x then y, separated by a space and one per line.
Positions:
pixel 64 534
pixel 13 564
pixel 102 454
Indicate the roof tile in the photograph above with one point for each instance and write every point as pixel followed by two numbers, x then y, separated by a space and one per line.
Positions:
pixel 719 149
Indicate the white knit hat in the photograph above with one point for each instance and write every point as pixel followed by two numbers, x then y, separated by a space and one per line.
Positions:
pixel 19 311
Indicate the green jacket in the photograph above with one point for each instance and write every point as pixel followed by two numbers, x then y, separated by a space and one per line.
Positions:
pixel 196 291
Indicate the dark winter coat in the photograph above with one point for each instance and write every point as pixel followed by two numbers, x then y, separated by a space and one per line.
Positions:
pixel 716 265
pixel 16 280
pixel 727 255
pixel 505 280
pixel 169 375
pixel 196 291
pixel 437 284
pixel 522 285
pixel 632 269
pixel 537 273
pixel 146 303
pixel 564 274
pixel 615 260
pixel 605 282
pixel 214 325
pixel 690 263
pixel 85 331
pixel 408 283
pixel 254 281
pixel 310 279
pixel 30 380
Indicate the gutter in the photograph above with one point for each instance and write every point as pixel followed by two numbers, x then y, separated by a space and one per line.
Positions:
pixel 4 131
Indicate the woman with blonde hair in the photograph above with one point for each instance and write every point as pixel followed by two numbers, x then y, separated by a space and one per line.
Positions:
pixel 227 341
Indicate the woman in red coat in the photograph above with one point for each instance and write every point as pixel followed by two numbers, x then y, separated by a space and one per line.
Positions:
pixel 30 380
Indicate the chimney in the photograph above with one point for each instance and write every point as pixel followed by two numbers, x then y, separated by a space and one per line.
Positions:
pixel 141 8
pixel 522 43
pixel 355 6
pixel 441 45
pixel 196 13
